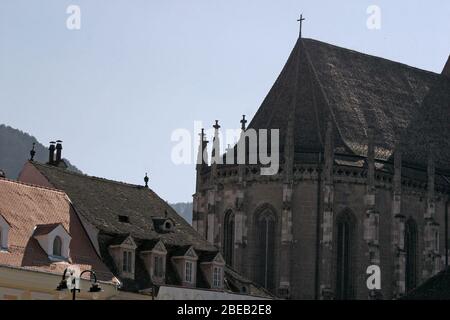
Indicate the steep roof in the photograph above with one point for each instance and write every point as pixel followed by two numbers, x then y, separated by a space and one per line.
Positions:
pixel 102 201
pixel 356 90
pixel 435 288
pixel 25 207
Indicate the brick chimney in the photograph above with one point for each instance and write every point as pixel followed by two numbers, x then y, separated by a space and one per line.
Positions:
pixel 446 70
pixel 58 152
pixel 51 153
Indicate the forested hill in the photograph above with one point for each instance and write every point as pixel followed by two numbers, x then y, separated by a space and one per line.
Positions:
pixel 184 209
pixel 15 147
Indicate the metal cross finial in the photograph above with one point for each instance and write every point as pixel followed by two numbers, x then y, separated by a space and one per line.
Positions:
pixel 301 19
pixel 216 126
pixel 32 152
pixel 243 122
pixel 202 135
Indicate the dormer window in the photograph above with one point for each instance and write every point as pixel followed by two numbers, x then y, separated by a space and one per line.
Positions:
pixel 54 240
pixel 164 225
pixel 123 251
pixel 185 261
pixel 168 225
pixel 57 246
pixel 154 257
pixel 212 264
pixel 4 231
pixel 188 271
pixel 124 219
pixel 217 277
pixel 127 261
pixel 158 269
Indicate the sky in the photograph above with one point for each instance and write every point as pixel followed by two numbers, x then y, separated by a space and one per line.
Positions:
pixel 117 88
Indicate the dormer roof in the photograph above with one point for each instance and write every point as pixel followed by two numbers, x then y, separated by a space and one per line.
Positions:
pixel 44 229
pixel 126 241
pixel 211 257
pixel 153 246
pixel 184 251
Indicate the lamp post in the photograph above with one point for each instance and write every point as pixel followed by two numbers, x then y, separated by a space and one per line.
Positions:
pixel 72 282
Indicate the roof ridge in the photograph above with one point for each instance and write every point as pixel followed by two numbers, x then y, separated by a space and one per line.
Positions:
pixel 322 91
pixel 89 176
pixel 28 184
pixel 372 56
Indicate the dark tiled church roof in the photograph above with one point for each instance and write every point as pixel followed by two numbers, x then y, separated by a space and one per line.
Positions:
pixel 102 201
pixel 435 288
pixel 357 90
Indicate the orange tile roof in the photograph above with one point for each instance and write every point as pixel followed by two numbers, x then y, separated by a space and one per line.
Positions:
pixel 26 206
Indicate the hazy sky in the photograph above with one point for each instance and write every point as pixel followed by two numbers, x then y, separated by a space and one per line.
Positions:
pixel 115 90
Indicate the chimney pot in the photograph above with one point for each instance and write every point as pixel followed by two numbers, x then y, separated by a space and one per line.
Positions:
pixel 51 155
pixel 58 151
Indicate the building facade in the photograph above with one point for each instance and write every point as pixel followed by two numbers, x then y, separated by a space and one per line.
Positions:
pixel 40 236
pixel 364 179
pixel 140 238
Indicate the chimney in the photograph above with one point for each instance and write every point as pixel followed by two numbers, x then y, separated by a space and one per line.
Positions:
pixel 446 70
pixel 58 151
pixel 51 155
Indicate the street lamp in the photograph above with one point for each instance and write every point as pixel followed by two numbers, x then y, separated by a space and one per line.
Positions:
pixel 72 282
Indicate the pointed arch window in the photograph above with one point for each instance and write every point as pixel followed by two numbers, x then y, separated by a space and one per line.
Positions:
pixel 266 223
pixel 410 254
pixel 344 254
pixel 228 237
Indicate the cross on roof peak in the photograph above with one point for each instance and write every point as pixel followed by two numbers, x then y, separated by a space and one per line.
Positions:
pixel 301 19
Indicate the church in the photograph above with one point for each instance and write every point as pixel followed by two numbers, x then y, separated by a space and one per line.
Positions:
pixel 364 179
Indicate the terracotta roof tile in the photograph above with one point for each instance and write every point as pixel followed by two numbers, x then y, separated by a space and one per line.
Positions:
pixel 25 207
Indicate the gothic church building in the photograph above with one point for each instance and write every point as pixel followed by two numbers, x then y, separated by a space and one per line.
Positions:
pixel 364 179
